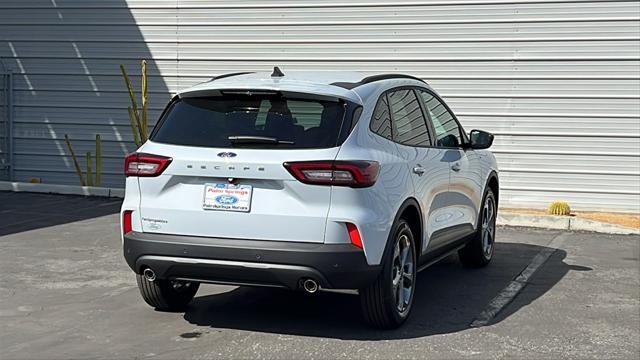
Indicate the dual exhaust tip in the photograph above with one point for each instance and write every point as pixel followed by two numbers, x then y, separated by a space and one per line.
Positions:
pixel 309 285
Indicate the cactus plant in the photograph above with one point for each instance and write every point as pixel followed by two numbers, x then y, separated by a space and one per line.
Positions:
pixel 137 116
pixel 559 207
pixel 143 99
pixel 76 164
pixel 98 160
pixel 134 127
pixel 89 176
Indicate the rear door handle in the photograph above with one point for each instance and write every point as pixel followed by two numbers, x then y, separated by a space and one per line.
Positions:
pixel 418 170
pixel 455 166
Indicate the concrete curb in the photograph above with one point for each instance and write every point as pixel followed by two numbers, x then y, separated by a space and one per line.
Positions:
pixel 62 189
pixel 563 223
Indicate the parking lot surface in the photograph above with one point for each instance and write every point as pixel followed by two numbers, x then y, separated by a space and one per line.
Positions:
pixel 66 292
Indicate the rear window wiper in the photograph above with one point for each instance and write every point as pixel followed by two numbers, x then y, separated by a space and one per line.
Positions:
pixel 248 139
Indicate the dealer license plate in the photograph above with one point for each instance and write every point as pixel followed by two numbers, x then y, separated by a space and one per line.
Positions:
pixel 227 197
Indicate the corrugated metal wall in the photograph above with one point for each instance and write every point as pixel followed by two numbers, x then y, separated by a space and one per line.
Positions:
pixel 557 81
pixel 4 123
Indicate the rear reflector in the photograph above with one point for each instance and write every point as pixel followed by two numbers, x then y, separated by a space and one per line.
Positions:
pixel 354 235
pixel 140 164
pixel 127 225
pixel 355 174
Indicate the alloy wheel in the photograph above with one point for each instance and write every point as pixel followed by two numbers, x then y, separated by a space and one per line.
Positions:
pixel 403 273
pixel 488 226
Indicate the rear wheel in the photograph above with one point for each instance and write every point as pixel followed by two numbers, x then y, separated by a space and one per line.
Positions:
pixel 167 294
pixel 387 302
pixel 479 251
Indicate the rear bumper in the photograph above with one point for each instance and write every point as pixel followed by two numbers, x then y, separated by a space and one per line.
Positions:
pixel 248 262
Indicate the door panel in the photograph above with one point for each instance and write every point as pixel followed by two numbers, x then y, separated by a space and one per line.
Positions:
pixel 466 186
pixel 448 221
pixel 431 190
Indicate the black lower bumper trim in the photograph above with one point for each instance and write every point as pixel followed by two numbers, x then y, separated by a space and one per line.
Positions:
pixel 248 262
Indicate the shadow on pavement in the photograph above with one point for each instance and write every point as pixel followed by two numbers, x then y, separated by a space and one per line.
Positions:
pixel 448 298
pixel 28 211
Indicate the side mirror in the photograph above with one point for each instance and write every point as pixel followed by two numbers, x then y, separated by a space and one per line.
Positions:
pixel 480 139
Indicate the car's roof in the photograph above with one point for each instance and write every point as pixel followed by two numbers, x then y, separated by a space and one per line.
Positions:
pixel 325 83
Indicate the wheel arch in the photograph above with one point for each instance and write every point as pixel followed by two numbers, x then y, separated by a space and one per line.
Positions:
pixel 494 184
pixel 411 212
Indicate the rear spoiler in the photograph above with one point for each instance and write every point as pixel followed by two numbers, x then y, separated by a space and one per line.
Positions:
pixel 260 92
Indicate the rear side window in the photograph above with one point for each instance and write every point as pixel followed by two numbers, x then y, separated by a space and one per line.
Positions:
pixel 260 122
pixel 409 125
pixel 381 120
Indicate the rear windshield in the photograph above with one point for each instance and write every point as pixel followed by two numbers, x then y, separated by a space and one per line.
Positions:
pixel 251 122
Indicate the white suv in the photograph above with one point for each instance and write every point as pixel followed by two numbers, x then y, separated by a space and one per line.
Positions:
pixel 307 181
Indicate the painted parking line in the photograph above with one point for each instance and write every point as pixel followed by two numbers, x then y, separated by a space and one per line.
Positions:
pixel 512 290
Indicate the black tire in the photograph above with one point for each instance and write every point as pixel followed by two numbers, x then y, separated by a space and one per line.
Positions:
pixel 166 294
pixel 478 253
pixel 379 301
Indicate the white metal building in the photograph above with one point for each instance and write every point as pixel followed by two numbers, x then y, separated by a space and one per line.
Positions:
pixel 558 82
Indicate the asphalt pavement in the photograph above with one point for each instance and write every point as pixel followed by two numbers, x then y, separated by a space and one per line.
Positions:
pixel 66 292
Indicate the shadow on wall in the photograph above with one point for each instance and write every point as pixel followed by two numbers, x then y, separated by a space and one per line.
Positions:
pixel 65 58
pixel 448 298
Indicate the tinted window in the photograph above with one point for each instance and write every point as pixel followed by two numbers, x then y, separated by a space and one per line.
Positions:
pixel 381 120
pixel 446 128
pixel 409 125
pixel 211 121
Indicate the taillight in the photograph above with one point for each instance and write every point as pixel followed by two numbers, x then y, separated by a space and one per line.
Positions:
pixel 126 221
pixel 355 174
pixel 140 164
pixel 354 235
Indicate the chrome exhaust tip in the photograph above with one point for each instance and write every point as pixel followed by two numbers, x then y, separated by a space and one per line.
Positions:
pixel 310 286
pixel 149 274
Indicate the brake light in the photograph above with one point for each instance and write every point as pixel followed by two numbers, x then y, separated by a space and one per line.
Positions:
pixel 126 221
pixel 140 164
pixel 355 174
pixel 354 235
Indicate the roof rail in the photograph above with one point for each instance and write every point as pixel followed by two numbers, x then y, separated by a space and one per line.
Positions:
pixel 373 78
pixel 230 75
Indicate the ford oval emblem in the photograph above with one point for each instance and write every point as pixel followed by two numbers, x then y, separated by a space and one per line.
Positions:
pixel 226 199
pixel 227 154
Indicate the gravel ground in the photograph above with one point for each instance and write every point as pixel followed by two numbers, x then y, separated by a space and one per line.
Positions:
pixel 631 220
